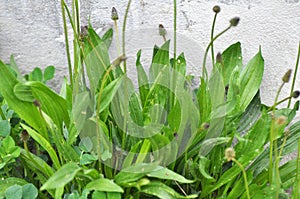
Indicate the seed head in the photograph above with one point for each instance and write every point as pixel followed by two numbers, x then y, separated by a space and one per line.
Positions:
pixel 24 136
pixel 205 126
pixel 234 21
pixel 216 9
pixel 296 94
pixel 287 76
pixel 36 103
pixel 162 30
pixel 114 14
pixel 219 58
pixel 229 154
pixel 84 31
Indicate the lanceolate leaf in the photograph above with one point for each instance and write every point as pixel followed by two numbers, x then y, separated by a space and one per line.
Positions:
pixel 108 93
pixel 142 79
pixel 232 58
pixel 160 60
pixel 104 184
pixel 51 103
pixel 44 143
pixel 250 79
pixel 96 58
pixel 62 176
pixel 163 191
pixel 107 37
pixel 167 174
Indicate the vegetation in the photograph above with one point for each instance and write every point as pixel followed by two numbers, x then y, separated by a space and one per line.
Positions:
pixel 102 138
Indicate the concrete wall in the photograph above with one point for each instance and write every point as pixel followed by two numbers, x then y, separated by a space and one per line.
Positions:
pixel 32 31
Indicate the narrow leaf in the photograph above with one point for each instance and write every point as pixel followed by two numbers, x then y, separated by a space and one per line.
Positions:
pixel 105 185
pixel 62 176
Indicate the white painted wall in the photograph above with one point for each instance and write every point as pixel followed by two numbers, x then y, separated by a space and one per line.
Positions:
pixel 32 31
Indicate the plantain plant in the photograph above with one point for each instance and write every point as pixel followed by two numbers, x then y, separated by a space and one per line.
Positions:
pixel 100 137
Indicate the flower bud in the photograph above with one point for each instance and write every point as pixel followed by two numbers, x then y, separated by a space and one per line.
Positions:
pixel 162 30
pixel 84 31
pixel 216 9
pixel 296 94
pixel 219 58
pixel 24 136
pixel 36 103
pixel 287 76
pixel 205 126
pixel 234 21
pixel 114 14
pixel 229 154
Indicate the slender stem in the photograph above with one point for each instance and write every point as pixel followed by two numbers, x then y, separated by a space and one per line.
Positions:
pixel 67 42
pixel 273 135
pixel 244 175
pixel 295 74
pixel 277 95
pixel 297 181
pixel 77 16
pixel 281 101
pixel 117 37
pixel 123 33
pixel 212 37
pixel 204 71
pixel 271 153
pixel 175 31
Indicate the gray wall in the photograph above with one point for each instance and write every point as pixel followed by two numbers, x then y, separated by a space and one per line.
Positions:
pixel 32 31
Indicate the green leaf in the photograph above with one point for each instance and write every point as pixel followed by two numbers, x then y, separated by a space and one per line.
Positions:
pixel 7 143
pixel 29 191
pixel 105 185
pixel 131 155
pixel 232 58
pixel 87 159
pixel 26 110
pixel 135 172
pixel 163 191
pixel 51 103
pixel 14 66
pixel 37 164
pixel 136 110
pixel 96 58
pixel 167 174
pixel 36 75
pixel 44 143
pixel 216 89
pixel 208 144
pixel 181 64
pixel 98 195
pixel 62 176
pixel 14 192
pixel 8 182
pixel 145 149
pixel 107 37
pixel 160 60
pixel 204 162
pixel 204 101
pixel 108 93
pixel 4 128
pixel 86 144
pixel 250 79
pixel 142 79
pixel 49 73
pixel 24 92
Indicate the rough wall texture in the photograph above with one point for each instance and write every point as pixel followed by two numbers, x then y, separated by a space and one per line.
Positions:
pixel 32 31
